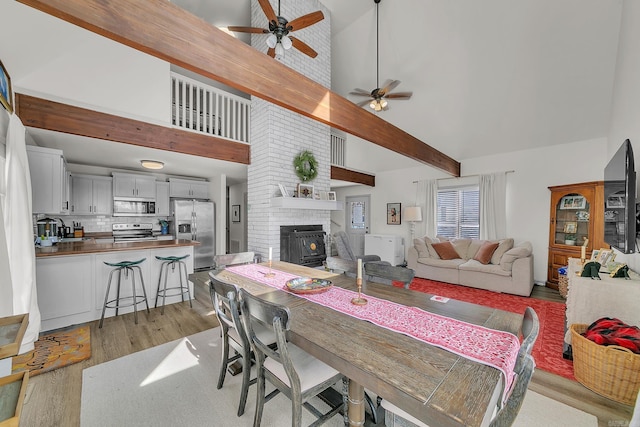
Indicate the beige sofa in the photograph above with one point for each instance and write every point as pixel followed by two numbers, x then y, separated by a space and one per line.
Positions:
pixel 509 268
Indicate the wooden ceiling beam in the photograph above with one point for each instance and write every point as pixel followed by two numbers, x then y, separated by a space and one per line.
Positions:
pixel 164 30
pixel 348 175
pixel 44 114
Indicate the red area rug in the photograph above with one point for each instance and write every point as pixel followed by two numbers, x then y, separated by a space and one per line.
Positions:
pixel 547 350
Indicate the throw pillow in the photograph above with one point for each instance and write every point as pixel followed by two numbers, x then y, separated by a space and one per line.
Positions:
pixel 485 252
pixel 513 254
pixel 446 250
pixel 421 247
pixel 462 247
pixel 503 247
pixel 430 243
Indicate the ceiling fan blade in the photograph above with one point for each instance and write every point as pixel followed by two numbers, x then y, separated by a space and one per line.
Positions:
pixel 358 91
pixel 303 47
pixel 388 86
pixel 271 52
pixel 399 95
pixel 268 10
pixel 306 20
pixel 248 30
pixel 363 103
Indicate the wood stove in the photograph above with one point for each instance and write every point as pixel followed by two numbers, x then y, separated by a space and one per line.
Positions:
pixel 302 244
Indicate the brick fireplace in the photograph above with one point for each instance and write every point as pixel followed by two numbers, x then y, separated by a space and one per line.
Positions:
pixel 278 135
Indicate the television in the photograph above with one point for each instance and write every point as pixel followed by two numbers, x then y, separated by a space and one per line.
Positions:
pixel 620 200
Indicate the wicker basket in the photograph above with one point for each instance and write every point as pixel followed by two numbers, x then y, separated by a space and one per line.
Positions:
pixel 611 371
pixel 563 285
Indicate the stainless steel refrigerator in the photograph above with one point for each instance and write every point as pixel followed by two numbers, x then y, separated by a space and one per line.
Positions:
pixel 194 220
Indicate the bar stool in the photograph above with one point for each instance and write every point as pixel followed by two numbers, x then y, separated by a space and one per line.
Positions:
pixel 126 268
pixel 182 288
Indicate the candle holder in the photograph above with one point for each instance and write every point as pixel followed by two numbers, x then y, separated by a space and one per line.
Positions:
pixel 270 273
pixel 359 300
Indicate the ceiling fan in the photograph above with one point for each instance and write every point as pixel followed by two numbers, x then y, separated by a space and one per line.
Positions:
pixel 378 97
pixel 279 27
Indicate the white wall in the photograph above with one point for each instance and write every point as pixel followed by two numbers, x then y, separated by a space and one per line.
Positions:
pixel 625 119
pixel 89 71
pixel 527 190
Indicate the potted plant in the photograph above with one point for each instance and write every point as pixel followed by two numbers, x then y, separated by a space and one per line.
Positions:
pixel 570 239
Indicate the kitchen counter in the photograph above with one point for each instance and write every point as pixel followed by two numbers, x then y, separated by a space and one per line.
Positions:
pixel 90 246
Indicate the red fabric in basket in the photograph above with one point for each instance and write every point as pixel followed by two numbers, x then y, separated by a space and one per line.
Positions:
pixel 612 331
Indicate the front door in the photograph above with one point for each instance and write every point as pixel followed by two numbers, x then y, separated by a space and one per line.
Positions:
pixel 357 221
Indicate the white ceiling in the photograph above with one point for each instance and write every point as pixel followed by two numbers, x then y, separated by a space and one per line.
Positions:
pixel 487 77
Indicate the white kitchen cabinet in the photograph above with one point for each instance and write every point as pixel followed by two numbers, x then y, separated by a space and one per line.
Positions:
pixel 132 185
pixel 64 287
pixel 91 195
pixel 162 198
pixel 389 248
pixel 188 188
pixel 71 289
pixel 49 180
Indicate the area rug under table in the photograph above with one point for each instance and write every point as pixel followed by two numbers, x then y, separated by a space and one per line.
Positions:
pixel 174 384
pixel 55 349
pixel 547 350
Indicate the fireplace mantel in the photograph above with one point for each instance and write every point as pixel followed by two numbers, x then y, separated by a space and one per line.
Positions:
pixel 300 203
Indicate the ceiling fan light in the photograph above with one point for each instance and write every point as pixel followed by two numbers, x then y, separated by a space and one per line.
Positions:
pixel 286 42
pixel 272 40
pixel 384 103
pixel 279 50
pixel 373 104
pixel 151 164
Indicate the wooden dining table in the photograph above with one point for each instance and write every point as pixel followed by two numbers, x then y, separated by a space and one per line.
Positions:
pixel 434 385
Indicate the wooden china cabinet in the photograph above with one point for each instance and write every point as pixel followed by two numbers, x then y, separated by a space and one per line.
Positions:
pixel 577 212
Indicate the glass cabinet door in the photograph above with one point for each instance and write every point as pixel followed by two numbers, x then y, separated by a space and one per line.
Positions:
pixel 573 213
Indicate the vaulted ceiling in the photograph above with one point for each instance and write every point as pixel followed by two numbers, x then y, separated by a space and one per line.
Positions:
pixel 487 77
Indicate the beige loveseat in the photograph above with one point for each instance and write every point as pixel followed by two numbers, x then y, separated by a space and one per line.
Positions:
pixel 493 265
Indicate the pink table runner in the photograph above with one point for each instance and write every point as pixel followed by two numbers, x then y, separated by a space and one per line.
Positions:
pixel 491 347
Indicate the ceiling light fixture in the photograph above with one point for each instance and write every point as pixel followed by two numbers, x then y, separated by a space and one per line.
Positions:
pixel 151 164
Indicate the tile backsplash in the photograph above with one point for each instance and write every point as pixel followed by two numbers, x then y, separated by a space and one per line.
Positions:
pixel 102 223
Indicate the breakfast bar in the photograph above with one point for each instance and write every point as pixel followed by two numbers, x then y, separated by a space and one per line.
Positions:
pixel 71 277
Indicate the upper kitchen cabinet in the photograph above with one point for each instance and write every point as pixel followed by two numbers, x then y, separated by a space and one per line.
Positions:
pixel 49 180
pixel 162 198
pixel 136 186
pixel 92 195
pixel 188 188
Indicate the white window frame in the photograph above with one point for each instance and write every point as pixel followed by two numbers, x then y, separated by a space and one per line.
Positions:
pixel 462 229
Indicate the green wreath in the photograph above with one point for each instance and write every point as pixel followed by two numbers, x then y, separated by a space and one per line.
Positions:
pixel 306 166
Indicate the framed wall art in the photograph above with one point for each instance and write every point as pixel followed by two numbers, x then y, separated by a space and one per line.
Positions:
pixel 235 213
pixel 6 96
pixel 331 195
pixel 394 213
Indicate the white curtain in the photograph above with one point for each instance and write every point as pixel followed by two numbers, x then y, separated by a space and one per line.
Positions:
pixel 19 231
pixel 493 216
pixel 427 199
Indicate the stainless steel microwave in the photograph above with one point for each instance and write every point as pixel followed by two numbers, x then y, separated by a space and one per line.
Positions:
pixel 128 207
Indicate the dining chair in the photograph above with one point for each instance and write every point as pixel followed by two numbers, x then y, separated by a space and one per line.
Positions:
pixel 224 260
pixel 503 417
pixel 225 298
pixel 377 272
pixel 292 371
pixel 530 329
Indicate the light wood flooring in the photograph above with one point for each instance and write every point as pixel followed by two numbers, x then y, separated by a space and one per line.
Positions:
pixel 53 398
